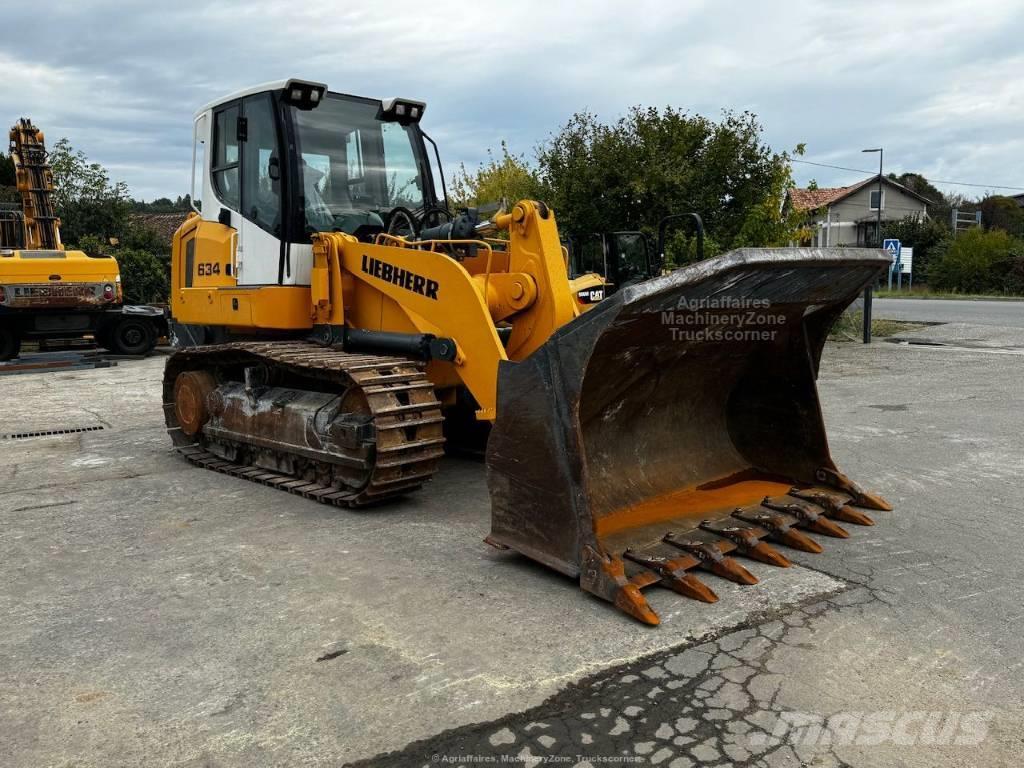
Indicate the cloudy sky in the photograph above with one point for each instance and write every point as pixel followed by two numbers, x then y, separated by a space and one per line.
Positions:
pixel 939 84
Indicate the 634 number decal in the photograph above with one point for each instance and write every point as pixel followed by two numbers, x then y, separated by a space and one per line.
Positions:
pixel 209 269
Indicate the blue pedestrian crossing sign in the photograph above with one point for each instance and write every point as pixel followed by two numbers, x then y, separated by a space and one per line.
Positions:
pixel 892 246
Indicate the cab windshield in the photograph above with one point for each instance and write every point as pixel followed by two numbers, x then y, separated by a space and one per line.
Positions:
pixel 354 168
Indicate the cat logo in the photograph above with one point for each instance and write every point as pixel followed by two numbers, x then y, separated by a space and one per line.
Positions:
pixel 590 295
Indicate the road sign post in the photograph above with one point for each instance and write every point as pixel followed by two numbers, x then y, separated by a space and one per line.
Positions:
pixel 892 247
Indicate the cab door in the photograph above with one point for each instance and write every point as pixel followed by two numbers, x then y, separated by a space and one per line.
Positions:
pixel 259 258
pixel 246 177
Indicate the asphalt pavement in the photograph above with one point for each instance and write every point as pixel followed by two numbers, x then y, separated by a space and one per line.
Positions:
pixel 1007 313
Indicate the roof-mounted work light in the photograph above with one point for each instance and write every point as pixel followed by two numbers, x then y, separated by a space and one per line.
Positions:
pixel 402 110
pixel 304 94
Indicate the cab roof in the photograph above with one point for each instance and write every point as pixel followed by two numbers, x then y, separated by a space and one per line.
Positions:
pixel 273 85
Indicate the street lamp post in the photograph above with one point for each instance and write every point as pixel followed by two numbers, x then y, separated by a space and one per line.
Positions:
pixel 878 236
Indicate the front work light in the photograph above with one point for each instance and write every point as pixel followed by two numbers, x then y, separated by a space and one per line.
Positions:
pixel 304 94
pixel 402 110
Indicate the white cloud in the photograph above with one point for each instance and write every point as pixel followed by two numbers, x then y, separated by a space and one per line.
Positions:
pixel 934 82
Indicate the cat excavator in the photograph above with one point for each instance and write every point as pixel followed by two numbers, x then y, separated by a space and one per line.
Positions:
pixel 333 314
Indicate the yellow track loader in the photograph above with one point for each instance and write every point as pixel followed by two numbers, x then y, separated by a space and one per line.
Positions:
pixel 337 320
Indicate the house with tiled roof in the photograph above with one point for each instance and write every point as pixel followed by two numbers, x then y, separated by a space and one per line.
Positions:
pixel 162 224
pixel 849 215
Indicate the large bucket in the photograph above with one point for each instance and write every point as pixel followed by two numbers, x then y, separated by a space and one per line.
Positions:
pixel 678 423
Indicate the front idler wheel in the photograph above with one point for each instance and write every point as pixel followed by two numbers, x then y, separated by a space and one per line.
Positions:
pixel 192 391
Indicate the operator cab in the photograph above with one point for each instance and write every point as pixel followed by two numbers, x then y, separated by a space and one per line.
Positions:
pixel 289 159
pixel 621 258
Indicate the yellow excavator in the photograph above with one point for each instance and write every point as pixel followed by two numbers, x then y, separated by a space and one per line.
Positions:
pixel 48 291
pixel 336 319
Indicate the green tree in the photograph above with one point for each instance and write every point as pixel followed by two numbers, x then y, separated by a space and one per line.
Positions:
pixel 631 173
pixel 87 201
pixel 144 276
pixel 1001 212
pixel 7 175
pixel 940 205
pixel 95 217
pixel 977 261
pixel 928 238
pixel 181 204
pixel 503 179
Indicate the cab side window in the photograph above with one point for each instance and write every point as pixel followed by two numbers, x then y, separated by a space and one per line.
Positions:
pixel 592 255
pixel 225 156
pixel 261 165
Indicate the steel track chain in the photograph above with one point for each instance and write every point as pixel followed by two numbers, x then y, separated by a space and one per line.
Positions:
pixel 406 415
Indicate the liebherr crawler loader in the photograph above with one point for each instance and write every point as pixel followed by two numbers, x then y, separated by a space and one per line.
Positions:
pixel 337 313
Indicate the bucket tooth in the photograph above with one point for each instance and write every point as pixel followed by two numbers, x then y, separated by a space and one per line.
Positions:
pixel 779 527
pixel 710 558
pixel 672 574
pixel 688 585
pixel 835 505
pixel 808 516
pixel 748 542
pixel 859 496
pixel 848 514
pixel 630 600
pixel 605 576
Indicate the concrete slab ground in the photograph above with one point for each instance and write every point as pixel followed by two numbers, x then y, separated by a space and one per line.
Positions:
pixel 159 610
pixel 158 613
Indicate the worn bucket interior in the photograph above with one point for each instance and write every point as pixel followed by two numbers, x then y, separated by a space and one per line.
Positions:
pixel 675 401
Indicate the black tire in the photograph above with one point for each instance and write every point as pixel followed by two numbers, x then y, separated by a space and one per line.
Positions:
pixel 131 336
pixel 10 343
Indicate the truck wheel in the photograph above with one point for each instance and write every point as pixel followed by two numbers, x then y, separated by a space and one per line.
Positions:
pixel 10 343
pixel 130 336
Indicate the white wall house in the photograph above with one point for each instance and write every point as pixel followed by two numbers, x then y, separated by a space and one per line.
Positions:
pixel 849 215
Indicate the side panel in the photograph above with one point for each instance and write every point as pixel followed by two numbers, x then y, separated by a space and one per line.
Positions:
pixel 268 307
pixel 204 290
pixel 204 255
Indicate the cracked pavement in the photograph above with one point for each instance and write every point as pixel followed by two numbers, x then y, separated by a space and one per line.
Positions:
pixel 157 613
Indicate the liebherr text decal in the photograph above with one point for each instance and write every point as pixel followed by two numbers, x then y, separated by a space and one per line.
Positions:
pixel 401 277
